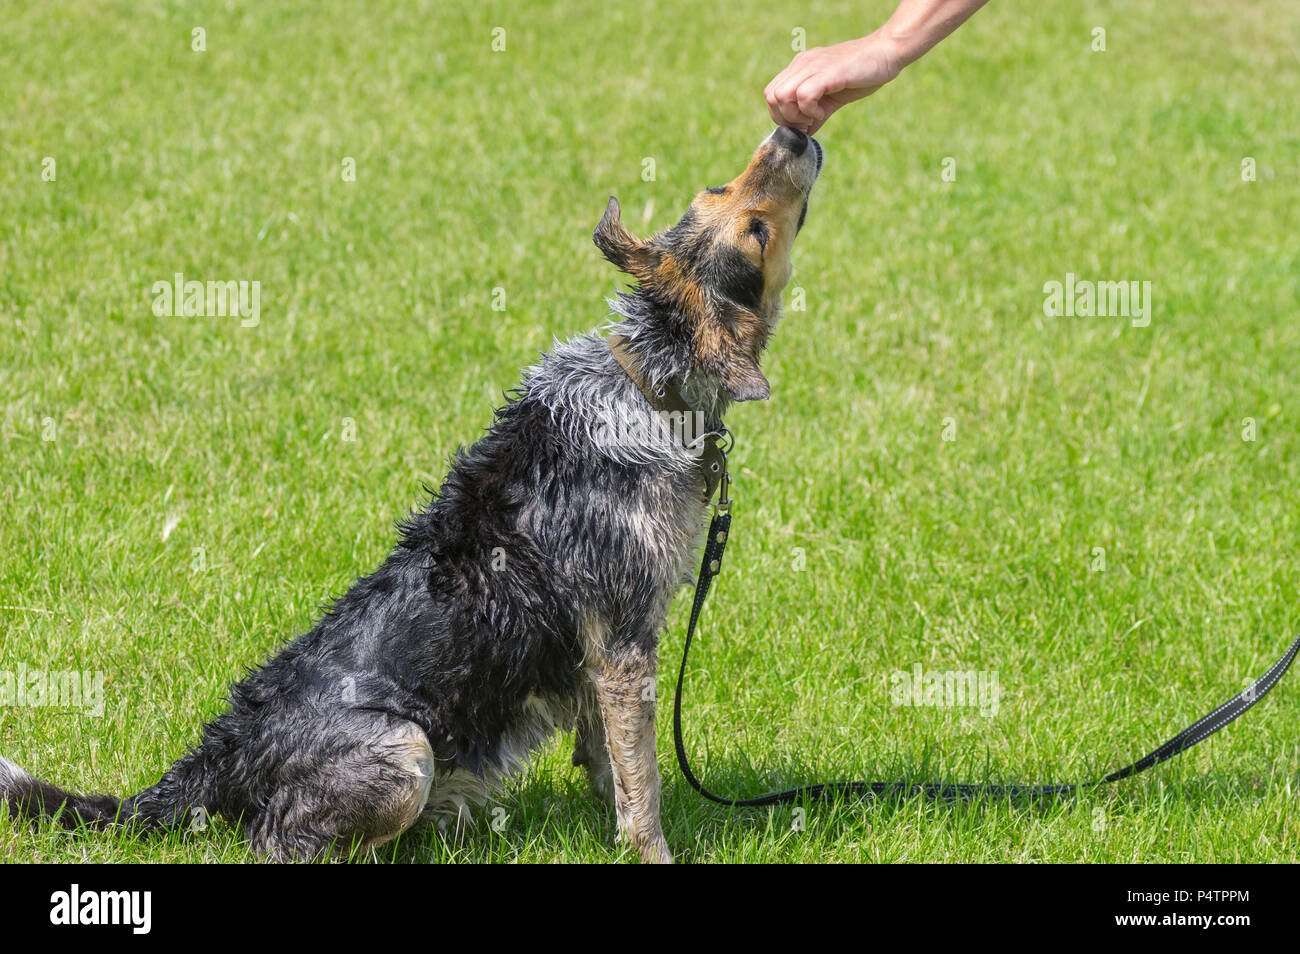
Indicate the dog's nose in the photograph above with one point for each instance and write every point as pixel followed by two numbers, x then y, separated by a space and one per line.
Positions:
pixel 791 139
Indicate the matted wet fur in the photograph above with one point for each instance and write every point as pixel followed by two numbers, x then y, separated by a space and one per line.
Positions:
pixel 529 595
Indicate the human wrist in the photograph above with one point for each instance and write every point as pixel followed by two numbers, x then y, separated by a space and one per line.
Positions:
pixel 888 52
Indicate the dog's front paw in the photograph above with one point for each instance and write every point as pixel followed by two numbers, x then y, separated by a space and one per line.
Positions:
pixel 655 852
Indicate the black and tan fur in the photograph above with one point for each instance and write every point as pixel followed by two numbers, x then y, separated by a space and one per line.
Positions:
pixel 528 596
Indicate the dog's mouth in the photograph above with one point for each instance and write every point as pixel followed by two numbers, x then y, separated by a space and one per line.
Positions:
pixel 819 156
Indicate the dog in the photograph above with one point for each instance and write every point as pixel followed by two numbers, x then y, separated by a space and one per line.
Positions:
pixel 529 594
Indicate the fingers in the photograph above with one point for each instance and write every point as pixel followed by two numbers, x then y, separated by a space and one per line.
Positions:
pixel 793 95
pixel 826 114
pixel 828 104
pixel 821 80
pixel 808 97
pixel 783 82
pixel 788 115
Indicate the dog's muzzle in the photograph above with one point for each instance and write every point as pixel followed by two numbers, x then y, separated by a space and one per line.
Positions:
pixel 795 143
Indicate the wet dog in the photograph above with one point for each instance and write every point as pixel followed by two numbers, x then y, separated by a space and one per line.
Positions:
pixel 529 595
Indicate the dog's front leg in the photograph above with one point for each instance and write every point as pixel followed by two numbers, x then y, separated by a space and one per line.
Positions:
pixel 625 690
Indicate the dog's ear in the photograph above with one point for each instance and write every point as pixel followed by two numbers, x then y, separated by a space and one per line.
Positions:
pixel 742 380
pixel 724 355
pixel 632 255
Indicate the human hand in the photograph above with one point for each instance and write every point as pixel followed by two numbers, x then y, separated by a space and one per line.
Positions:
pixel 821 80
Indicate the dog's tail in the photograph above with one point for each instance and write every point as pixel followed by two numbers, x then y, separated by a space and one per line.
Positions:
pixel 160 807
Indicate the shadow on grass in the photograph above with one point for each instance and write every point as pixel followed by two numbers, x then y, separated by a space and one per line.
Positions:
pixel 552 816
pixel 557 818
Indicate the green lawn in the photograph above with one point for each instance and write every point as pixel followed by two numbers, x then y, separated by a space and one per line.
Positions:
pixel 177 497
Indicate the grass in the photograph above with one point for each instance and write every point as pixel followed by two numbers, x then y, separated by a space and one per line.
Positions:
pixel 177 498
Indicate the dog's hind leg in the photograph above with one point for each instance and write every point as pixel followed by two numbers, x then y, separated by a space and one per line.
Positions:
pixel 625 691
pixel 358 784
pixel 589 749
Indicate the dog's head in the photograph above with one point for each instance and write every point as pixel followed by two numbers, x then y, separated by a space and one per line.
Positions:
pixel 720 270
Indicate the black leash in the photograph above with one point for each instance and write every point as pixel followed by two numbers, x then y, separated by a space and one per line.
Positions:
pixel 713 467
pixel 1198 731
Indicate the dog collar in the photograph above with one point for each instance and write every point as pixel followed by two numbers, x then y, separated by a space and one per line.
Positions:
pixel 666 398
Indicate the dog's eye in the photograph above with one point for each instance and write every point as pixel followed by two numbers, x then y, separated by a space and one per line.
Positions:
pixel 758 229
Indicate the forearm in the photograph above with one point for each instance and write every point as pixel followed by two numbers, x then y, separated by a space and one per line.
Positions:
pixel 918 25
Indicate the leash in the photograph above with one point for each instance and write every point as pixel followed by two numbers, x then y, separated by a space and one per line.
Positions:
pixel 714 469
pixel 1197 732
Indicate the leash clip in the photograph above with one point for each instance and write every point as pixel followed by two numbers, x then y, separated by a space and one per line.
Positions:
pixel 724 484
pixel 724 498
